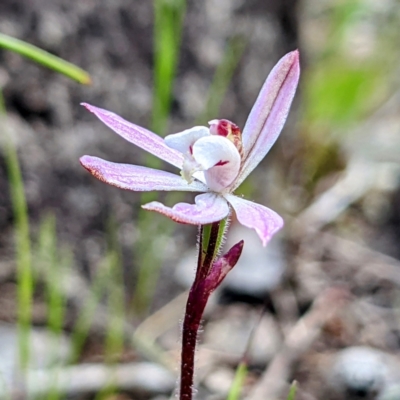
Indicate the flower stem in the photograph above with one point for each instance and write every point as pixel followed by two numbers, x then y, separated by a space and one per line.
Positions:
pixel 196 304
pixel 194 310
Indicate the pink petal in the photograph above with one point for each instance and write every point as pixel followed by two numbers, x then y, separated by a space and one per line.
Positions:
pixel 133 177
pixel 220 160
pixel 137 135
pixel 255 216
pixel 269 113
pixel 209 208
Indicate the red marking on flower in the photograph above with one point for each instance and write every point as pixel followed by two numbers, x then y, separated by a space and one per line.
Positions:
pixel 220 163
pixel 223 127
pixel 226 128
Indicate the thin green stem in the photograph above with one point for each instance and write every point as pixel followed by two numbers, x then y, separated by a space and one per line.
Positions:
pixel 168 22
pixel 23 244
pixel 222 78
pixel 212 249
pixel 44 58
pixel 292 391
pixel 87 313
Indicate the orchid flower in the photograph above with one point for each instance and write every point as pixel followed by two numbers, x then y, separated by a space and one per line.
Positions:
pixel 214 160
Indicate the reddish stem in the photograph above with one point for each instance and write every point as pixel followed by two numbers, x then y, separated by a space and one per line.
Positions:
pixel 194 311
pixel 195 306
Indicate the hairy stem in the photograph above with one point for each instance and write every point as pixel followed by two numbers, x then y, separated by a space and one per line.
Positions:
pixel 195 306
pixel 194 311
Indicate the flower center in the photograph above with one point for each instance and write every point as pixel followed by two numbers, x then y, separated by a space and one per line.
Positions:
pixel 212 155
pixel 225 128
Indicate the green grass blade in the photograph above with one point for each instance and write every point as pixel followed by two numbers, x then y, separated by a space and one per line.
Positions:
pixel 240 376
pixel 57 303
pixel 57 307
pixel 292 391
pixel 114 342
pixel 114 338
pixel 222 78
pixel 23 244
pixel 85 318
pixel 168 21
pixel 44 58
pixel 149 251
pixel 51 266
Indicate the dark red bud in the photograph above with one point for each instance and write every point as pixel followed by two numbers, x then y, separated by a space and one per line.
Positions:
pixel 222 266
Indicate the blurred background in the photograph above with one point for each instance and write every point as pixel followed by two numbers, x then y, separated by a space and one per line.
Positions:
pixel 92 289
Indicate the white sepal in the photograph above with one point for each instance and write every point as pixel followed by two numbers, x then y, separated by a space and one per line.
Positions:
pixel 184 140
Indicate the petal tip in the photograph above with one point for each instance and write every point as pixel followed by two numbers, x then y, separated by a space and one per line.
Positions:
pixel 86 105
pixel 89 107
pixel 293 59
pixel 291 62
pixel 87 163
pixel 93 165
pixel 296 66
pixel 84 160
pixel 293 56
pixel 296 60
pixel 265 239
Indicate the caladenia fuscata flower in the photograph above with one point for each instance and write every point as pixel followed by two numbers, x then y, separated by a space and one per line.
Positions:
pixel 213 160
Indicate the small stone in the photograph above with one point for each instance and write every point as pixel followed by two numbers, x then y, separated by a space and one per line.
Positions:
pixel 46 350
pixel 366 372
pixel 231 333
pixel 220 381
pixel 392 392
pixel 259 269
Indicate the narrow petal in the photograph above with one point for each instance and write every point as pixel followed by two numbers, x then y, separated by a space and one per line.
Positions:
pixel 209 208
pixel 137 135
pixel 269 113
pixel 183 141
pixel 255 216
pixel 136 178
pixel 220 160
